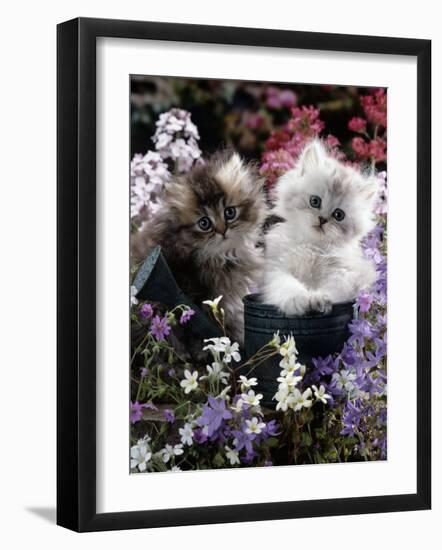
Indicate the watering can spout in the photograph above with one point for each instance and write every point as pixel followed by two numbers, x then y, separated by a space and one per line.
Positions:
pixel 155 282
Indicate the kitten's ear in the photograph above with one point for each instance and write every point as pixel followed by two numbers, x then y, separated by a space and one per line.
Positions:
pixel 312 156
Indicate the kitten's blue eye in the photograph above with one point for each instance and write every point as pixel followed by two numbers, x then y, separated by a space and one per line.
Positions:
pixel 315 201
pixel 338 214
pixel 230 213
pixel 204 223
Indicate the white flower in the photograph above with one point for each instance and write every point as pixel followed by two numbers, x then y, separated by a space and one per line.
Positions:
pixel 213 303
pixel 251 399
pixel 186 434
pixel 232 455
pixel 216 372
pixel 344 379
pixel 238 406
pixel 224 394
pixel 320 393
pixel 288 382
pixel 175 469
pixel 231 352
pixel 133 294
pixel 254 426
pixel 218 344
pixel 283 398
pixel 247 383
pixel 140 455
pixel 169 452
pixel 190 382
pixel 298 400
pixel 276 340
pixel 288 347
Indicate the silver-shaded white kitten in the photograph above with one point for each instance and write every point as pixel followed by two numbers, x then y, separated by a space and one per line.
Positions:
pixel 314 258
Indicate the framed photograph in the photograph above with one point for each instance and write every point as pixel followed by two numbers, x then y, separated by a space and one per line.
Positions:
pixel 242 214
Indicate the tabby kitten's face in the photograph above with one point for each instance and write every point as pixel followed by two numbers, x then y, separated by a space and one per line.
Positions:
pixel 215 209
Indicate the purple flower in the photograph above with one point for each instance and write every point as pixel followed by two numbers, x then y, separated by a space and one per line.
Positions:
pixel 351 419
pixel 326 365
pixel 349 356
pixel 199 436
pixel 186 315
pixel 136 410
pixel 146 311
pixel 143 372
pixel 271 429
pixel 169 416
pixel 360 329
pixel 159 328
pixel 242 441
pixel 214 412
pixel 364 301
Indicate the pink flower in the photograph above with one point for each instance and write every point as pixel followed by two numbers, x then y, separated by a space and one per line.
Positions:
pixel 377 149
pixel 375 107
pixel 276 98
pixel 254 121
pixel 360 147
pixel 357 124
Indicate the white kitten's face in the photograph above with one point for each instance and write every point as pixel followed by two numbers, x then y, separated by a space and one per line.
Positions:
pixel 325 202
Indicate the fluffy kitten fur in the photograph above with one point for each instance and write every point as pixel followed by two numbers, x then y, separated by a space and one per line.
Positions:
pixel 222 259
pixel 314 259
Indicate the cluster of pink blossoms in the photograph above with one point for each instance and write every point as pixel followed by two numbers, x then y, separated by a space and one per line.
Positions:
pixel 372 143
pixel 285 145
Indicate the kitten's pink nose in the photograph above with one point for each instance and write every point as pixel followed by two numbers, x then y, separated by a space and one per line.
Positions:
pixel 322 220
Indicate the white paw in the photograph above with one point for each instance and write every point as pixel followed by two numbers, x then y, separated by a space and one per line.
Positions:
pixel 319 301
pixel 297 305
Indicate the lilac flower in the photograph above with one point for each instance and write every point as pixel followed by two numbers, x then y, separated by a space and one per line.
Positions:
pixel 169 416
pixel 159 328
pixel 186 315
pixel 144 372
pixel 148 175
pixel 176 139
pixel 214 412
pixel 146 311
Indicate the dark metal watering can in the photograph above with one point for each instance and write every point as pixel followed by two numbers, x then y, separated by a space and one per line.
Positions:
pixel 155 282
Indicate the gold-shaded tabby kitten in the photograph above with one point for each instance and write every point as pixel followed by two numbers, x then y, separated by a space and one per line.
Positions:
pixel 208 225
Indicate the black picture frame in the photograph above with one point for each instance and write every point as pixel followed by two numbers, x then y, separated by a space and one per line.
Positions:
pixel 76 273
